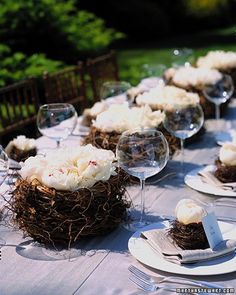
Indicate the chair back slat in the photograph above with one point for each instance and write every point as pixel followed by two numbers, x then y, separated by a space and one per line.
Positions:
pixel 67 86
pixel 18 106
pixel 102 69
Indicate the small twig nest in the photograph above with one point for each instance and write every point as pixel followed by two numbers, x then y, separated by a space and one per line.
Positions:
pixel 109 140
pixel 188 237
pixel 21 155
pixel 225 173
pixel 55 217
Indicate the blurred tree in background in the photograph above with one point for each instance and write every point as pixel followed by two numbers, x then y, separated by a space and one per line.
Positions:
pixel 44 35
pixel 36 33
pixel 151 20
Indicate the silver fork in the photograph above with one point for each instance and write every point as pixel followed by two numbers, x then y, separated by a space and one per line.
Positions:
pixel 148 286
pixel 171 279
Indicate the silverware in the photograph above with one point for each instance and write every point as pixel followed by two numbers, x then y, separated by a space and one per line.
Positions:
pixel 149 286
pixel 171 279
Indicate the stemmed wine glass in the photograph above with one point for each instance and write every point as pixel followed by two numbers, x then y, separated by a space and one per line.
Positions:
pixel 114 91
pixel 219 92
pixel 57 120
pixel 142 153
pixel 183 121
pixel 152 75
pixel 182 57
pixel 4 167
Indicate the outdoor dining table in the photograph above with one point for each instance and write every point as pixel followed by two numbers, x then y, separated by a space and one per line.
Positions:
pixel 101 264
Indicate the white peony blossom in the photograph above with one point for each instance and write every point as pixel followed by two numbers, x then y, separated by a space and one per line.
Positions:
pixel 161 96
pixel 21 143
pixel 227 154
pixel 120 118
pixel 219 59
pixel 70 169
pixel 187 211
pixel 188 76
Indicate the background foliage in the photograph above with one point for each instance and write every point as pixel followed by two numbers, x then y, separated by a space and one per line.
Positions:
pixel 46 35
pixel 39 35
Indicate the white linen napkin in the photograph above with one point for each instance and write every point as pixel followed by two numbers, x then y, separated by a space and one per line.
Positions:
pixel 209 177
pixel 163 244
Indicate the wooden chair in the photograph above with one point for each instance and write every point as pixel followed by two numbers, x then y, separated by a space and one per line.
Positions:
pixel 67 86
pixel 18 108
pixel 101 69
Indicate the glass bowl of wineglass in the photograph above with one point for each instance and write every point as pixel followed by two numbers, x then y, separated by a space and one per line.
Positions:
pixel 114 91
pixel 183 121
pixel 182 57
pixel 57 121
pixel 219 92
pixel 152 75
pixel 142 153
pixel 4 167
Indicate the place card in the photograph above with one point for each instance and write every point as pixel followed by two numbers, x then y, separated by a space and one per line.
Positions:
pixel 212 230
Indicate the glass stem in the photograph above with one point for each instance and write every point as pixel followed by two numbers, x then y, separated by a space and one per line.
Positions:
pixel 182 154
pixel 217 115
pixel 142 193
pixel 217 112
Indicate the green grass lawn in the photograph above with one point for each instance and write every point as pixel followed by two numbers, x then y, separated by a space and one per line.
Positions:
pixel 131 60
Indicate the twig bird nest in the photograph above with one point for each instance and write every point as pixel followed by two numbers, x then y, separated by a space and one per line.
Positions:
pixel 188 237
pixel 21 155
pixel 225 173
pixel 109 140
pixel 55 217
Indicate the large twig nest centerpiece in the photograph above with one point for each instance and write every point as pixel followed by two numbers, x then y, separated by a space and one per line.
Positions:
pixel 193 80
pixel 69 194
pixel 109 125
pixel 21 148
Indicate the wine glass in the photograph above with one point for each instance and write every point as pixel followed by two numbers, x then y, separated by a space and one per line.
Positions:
pixel 152 75
pixel 114 91
pixel 183 121
pixel 219 92
pixel 182 57
pixel 4 167
pixel 142 153
pixel 57 120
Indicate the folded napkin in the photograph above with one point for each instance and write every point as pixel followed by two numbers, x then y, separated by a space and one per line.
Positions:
pixel 162 243
pixel 209 177
pixel 14 165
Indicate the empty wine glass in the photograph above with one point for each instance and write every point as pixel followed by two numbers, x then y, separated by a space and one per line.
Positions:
pixel 219 93
pixel 57 121
pixel 142 153
pixel 115 91
pixel 4 167
pixel 182 57
pixel 183 121
pixel 152 75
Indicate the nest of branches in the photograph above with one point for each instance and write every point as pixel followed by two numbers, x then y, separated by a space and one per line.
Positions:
pixel 55 217
pixel 20 155
pixel 188 237
pixel 109 140
pixel 225 173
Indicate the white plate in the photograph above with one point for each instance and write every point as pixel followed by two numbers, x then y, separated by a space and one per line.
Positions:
pixel 142 252
pixel 193 180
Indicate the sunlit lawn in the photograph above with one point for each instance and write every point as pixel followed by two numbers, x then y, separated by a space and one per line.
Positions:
pixel 131 60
